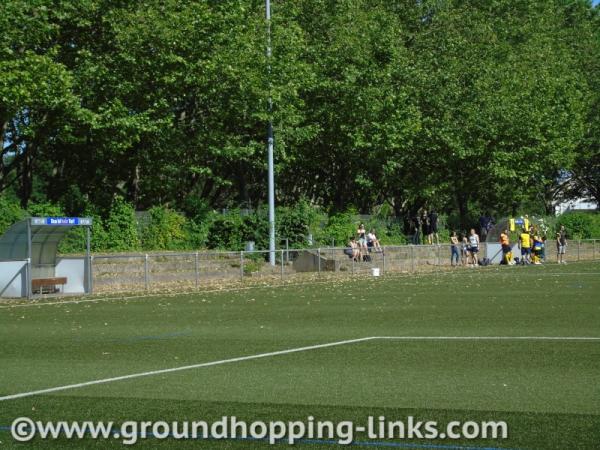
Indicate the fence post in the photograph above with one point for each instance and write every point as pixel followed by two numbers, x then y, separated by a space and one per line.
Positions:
pixel 578 249
pixel 197 270
pixel 412 257
pixel 383 260
pixel 319 260
pixel 282 264
pixel 594 250
pixel 242 265
pixel 91 275
pixel 287 250
pixel 146 280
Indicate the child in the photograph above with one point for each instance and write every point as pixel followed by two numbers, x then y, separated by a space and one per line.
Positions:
pixel 537 249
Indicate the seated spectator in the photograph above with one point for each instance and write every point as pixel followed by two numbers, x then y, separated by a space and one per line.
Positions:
pixel 373 242
pixel 354 251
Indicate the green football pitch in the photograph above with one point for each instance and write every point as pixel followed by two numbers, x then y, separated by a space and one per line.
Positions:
pixel 467 345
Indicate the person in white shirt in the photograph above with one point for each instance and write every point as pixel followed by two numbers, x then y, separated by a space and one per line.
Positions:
pixel 372 241
pixel 473 247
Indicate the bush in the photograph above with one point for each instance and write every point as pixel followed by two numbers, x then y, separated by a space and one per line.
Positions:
pixel 581 225
pixel 165 231
pixel 121 227
pixel 295 223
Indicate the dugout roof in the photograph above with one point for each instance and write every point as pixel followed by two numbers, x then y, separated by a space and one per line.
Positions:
pixel 38 236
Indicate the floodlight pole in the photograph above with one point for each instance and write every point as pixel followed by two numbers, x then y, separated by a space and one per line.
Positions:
pixel 270 141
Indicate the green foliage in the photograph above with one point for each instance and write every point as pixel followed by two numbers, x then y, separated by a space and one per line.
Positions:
pixel 459 105
pixel 295 223
pixel 45 209
pixel 121 227
pixel 165 231
pixel 10 212
pixel 580 225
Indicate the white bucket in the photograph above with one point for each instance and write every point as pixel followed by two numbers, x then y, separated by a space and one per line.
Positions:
pixel 375 271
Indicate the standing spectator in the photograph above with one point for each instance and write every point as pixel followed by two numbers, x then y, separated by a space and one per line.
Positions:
pixel 425 226
pixel 506 249
pixel 454 249
pixel 433 227
pixel 525 246
pixel 474 247
pixel 483 226
pixel 561 245
pixel 416 224
pixel 362 240
pixel 465 249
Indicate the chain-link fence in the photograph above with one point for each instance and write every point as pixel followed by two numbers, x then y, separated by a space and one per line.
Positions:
pixel 198 270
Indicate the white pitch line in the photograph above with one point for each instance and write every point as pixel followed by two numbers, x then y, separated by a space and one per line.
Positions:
pixel 490 338
pixel 177 369
pixel 293 350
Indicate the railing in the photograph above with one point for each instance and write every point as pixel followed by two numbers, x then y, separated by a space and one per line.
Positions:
pixel 199 270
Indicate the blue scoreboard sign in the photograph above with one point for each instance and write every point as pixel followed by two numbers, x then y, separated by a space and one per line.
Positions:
pixel 62 221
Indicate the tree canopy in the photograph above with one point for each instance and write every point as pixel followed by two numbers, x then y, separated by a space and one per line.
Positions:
pixel 461 105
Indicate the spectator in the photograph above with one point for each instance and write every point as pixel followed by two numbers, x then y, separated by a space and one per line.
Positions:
pixel 354 253
pixel 537 249
pixel 465 249
pixel 416 224
pixel 474 247
pixel 561 245
pixel 433 227
pixel 373 242
pixel 425 226
pixel 506 249
pixel 525 246
pixel 362 239
pixel 454 249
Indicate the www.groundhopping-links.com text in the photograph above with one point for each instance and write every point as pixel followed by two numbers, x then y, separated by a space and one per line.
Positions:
pixel 24 429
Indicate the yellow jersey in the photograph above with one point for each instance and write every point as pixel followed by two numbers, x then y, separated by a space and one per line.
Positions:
pixel 525 240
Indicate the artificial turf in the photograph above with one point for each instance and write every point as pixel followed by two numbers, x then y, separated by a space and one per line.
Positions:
pixel 548 392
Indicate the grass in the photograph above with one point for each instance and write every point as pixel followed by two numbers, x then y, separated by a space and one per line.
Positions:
pixel 548 392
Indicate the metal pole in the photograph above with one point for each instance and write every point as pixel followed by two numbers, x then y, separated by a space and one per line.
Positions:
pixel 578 249
pixel 29 277
pixel 88 259
pixel 242 265
pixel 282 264
pixel 412 257
pixel 146 281
pixel 287 250
pixel 383 259
pixel 319 259
pixel 270 141
pixel 197 269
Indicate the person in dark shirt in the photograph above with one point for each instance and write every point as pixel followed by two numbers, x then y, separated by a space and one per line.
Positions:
pixel 433 227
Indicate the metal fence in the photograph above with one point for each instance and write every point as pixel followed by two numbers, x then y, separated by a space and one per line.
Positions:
pixel 199 270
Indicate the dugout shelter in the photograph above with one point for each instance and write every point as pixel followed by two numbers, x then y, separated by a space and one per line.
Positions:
pixel 29 260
